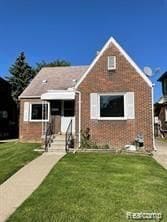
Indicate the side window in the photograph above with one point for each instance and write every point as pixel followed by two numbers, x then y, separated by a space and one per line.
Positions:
pixel 39 112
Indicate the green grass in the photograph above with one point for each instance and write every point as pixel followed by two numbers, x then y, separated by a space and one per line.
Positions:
pixel 162 139
pixel 13 156
pixel 96 188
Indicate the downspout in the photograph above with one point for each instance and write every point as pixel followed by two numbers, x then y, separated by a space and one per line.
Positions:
pixel 152 92
pixel 79 117
pixel 42 120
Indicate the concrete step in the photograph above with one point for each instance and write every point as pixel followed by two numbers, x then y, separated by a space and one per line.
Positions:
pixel 59 140
pixel 57 146
pixel 56 150
pixel 59 137
pixel 59 143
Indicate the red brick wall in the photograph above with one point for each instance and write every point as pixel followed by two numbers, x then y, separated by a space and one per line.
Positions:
pixel 29 131
pixel 123 79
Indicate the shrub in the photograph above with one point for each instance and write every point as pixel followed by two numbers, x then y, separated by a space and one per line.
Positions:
pixel 87 143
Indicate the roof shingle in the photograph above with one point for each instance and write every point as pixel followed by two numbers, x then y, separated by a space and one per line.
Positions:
pixel 53 78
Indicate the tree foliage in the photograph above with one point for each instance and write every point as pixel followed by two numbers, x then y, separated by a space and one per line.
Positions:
pixel 55 63
pixel 20 75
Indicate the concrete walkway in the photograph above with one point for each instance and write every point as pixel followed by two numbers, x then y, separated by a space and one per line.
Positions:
pixel 161 154
pixel 20 186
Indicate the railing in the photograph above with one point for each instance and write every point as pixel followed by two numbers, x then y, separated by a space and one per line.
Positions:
pixel 68 137
pixel 163 132
pixel 49 134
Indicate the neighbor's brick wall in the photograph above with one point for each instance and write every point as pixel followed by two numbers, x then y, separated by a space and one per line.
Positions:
pixel 29 131
pixel 124 79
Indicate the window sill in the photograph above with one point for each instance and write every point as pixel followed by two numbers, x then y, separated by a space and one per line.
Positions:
pixel 38 120
pixel 112 118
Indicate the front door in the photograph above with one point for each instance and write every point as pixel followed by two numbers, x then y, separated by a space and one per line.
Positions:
pixel 56 108
pixel 62 111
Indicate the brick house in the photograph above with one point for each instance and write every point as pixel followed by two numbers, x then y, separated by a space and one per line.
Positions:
pixel 160 108
pixel 112 97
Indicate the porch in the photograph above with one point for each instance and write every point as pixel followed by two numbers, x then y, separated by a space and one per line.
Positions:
pixel 58 118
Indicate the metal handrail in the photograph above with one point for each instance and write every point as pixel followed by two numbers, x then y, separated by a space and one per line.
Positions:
pixel 49 134
pixel 68 136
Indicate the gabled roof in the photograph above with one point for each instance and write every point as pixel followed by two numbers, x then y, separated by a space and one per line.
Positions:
pixel 53 78
pixel 113 41
pixel 62 78
pixel 164 76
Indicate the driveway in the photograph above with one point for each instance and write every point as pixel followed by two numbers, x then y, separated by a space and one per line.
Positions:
pixel 161 154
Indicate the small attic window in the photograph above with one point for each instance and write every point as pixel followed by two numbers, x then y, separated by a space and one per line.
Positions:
pixel 111 63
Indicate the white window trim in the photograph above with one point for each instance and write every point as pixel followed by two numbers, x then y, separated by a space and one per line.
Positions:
pixel 39 120
pixel 112 118
pixel 165 114
pixel 108 62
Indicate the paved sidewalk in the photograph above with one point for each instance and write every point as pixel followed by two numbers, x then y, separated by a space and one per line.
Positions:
pixel 19 187
pixel 161 154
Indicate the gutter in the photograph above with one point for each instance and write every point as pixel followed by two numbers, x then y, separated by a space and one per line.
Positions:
pixel 152 93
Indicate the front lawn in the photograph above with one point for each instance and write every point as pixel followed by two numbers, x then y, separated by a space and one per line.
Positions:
pixel 13 156
pixel 162 139
pixel 97 187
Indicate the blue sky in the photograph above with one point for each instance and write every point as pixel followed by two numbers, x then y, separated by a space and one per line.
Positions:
pixel 74 30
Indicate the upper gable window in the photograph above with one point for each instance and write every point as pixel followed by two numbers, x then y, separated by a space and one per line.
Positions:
pixel 111 63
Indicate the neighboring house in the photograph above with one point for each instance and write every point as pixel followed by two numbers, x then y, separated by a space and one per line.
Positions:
pixel 112 97
pixel 8 112
pixel 161 106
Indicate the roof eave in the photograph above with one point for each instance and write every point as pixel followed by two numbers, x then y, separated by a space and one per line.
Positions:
pixel 29 97
pixel 129 59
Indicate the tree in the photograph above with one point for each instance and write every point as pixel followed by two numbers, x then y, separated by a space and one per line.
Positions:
pixel 54 63
pixel 21 73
